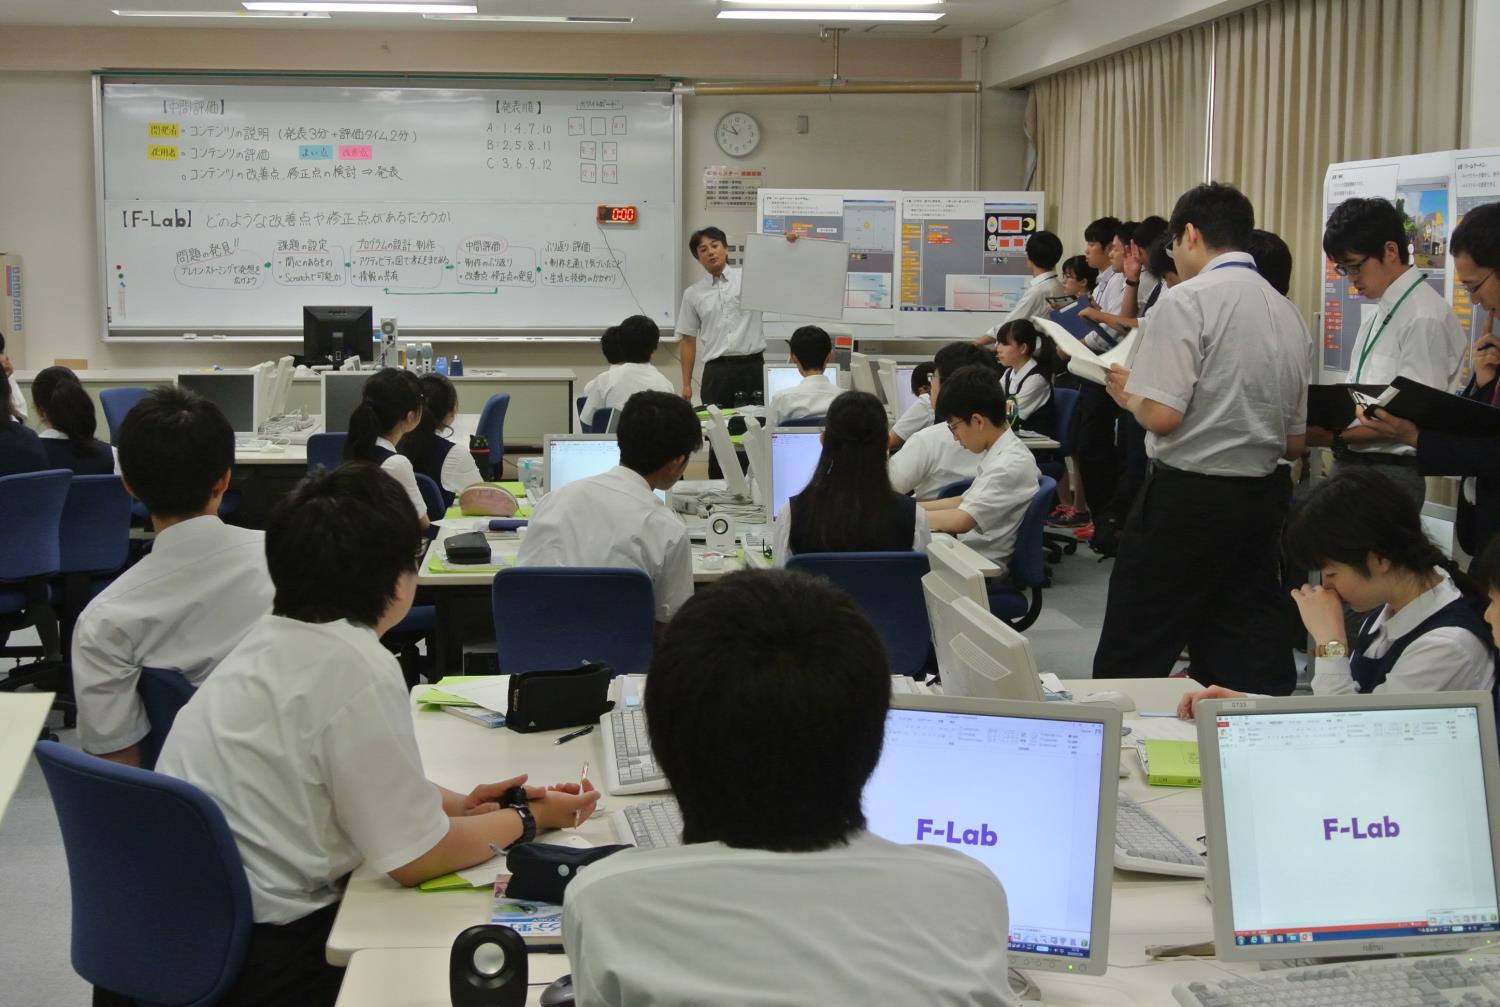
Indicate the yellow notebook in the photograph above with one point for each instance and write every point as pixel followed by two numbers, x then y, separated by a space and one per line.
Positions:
pixel 1171 763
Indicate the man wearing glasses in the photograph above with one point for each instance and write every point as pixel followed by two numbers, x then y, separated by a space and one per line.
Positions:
pixel 1475 247
pixel 1412 332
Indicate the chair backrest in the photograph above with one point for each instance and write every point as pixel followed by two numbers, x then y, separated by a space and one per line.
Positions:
pixel 888 587
pixel 325 451
pixel 954 489
pixel 432 496
pixel 117 402
pixel 161 907
pixel 492 427
pixel 1065 400
pixel 600 423
pixel 95 535
pixel 1028 565
pixel 549 617
pixel 31 510
pixel 163 693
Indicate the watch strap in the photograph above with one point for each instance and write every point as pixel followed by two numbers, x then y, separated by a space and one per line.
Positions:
pixel 528 825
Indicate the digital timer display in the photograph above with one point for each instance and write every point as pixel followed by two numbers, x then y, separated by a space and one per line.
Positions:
pixel 617 215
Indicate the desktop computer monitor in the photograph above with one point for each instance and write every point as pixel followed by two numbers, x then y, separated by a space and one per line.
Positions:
pixel 236 393
pixel 862 374
pixel 1028 790
pixel 794 458
pixel 885 385
pixel 570 457
pixel 1351 825
pixel 722 446
pixel 332 334
pixel 340 394
pixel 982 655
pixel 905 397
pixel 780 377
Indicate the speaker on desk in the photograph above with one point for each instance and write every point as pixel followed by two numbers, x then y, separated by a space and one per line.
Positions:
pixel 487 968
pixel 721 534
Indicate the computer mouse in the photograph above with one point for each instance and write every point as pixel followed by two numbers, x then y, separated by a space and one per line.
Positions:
pixel 559 994
pixel 1118 700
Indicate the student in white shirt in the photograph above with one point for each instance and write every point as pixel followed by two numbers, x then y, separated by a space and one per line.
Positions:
pixel 616 519
pixel 931 459
pixel 391 408
pixel 848 505
pixel 17 400
pixel 1423 634
pixel 1220 384
pixel 987 517
pixel 811 348
pixel 638 338
pixel 303 736
pixel 1043 250
pixel 609 345
pixel 919 413
pixel 68 423
pixel 427 445
pixel 1030 360
pixel 1078 282
pixel 1412 333
pixel 779 894
pixel 192 597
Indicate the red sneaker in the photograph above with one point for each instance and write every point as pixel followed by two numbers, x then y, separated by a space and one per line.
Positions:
pixel 1072 519
pixel 1084 532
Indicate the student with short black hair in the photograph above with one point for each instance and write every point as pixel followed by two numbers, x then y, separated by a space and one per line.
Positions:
pixel 1043 250
pixel 638 337
pixel 919 414
pixel 192 597
pixel 931 459
pixel 391 408
pixel 1030 360
pixel 848 505
pixel 987 516
pixel 427 446
pixel 811 349
pixel 1078 277
pixel 13 388
pixel 303 736
pixel 784 656
pixel 1273 259
pixel 68 424
pixel 20 449
pixel 616 519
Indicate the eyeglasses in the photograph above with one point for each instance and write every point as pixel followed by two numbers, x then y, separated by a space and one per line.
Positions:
pixel 1474 288
pixel 1347 269
pixel 953 425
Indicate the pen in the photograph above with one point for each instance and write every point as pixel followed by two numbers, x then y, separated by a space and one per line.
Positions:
pixel 583 778
pixel 575 734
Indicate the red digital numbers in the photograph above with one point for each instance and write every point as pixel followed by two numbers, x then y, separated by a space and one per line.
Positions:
pixel 617 215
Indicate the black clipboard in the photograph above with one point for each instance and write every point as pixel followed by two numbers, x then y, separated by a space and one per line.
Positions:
pixel 1331 407
pixel 1431 409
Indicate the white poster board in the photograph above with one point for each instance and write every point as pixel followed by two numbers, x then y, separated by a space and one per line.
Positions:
pixel 804 278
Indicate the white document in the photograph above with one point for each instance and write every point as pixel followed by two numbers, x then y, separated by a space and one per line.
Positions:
pixel 493 695
pixel 1083 361
pixel 805 277
pixel 22 715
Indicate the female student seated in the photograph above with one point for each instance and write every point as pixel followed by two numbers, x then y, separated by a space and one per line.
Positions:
pixel 391 408
pixel 1030 360
pixel 69 421
pixel 848 505
pixel 20 448
pixel 431 453
pixel 1426 633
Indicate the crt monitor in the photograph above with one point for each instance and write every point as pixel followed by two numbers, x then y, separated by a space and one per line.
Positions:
pixel 570 457
pixel 780 377
pixel 1350 825
pixel 794 458
pixel 236 393
pixel 341 393
pixel 331 334
pixel 1028 790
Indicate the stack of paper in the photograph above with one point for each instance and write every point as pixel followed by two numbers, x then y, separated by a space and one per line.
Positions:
pixel 1083 361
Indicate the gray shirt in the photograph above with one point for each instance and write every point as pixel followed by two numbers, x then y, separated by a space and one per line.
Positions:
pixel 1231 354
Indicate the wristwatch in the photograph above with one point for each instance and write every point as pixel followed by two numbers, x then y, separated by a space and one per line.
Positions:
pixel 1132 283
pixel 1333 648
pixel 515 799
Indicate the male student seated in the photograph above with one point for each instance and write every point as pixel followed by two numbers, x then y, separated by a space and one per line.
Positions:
pixel 811 350
pixel 637 338
pixel 616 519
pixel 930 458
pixel 987 517
pixel 303 736
pixel 1043 252
pixel 780 895
pixel 918 415
pixel 190 600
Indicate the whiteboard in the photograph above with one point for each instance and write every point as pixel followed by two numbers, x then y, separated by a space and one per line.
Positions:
pixel 225 208
pixel 795 277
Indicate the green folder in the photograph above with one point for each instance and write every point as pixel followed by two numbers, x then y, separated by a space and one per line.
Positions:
pixel 1172 763
pixel 435 696
pixel 446 883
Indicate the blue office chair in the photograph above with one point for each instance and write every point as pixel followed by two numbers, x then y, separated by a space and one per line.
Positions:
pixel 887 586
pixel 816 422
pixel 31 509
pixel 1028 564
pixel 432 496
pixel 954 489
pixel 161 907
pixel 600 423
pixel 1066 400
pixel 117 402
pixel 163 693
pixel 560 617
pixel 492 429
pixel 94 541
pixel 325 451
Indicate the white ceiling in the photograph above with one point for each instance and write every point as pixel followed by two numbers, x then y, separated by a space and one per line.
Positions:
pixel 964 17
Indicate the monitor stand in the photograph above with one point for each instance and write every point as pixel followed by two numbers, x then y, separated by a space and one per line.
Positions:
pixel 1022 986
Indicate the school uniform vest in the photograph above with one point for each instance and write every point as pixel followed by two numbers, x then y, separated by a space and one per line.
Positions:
pixel 1044 420
pixel 20 449
pixel 892 531
pixel 379 454
pixel 1370 672
pixel 100 461
pixel 432 468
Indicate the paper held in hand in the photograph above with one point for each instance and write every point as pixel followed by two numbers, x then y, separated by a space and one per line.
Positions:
pixel 1084 362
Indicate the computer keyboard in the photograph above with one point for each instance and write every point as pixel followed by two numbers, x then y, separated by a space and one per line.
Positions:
pixel 1466 980
pixel 1143 843
pixel 651 825
pixel 629 766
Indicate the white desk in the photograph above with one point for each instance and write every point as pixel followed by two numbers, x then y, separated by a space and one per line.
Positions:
pixel 378 914
pixel 464 424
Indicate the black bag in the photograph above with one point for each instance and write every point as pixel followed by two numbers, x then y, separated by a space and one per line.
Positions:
pixel 547 700
pixel 470 548
pixel 540 872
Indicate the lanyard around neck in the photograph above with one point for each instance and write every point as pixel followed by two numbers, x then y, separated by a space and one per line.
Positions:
pixel 1370 341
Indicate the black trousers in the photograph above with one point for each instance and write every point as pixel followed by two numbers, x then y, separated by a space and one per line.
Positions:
pixel 1094 447
pixel 284 965
pixel 1199 567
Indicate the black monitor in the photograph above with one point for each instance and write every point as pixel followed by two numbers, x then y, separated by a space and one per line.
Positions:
pixel 331 334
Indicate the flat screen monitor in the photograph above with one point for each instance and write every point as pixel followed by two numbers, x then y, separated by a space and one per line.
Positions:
pixel 780 377
pixel 905 397
pixel 1028 790
pixel 1350 825
pixel 236 393
pixel 722 445
pixel 984 656
pixel 568 458
pixel 341 393
pixel 794 458
pixel 331 334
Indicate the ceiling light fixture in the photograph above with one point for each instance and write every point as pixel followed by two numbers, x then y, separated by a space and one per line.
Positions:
pixel 351 7
pixel 537 18
pixel 838 3
pixel 241 14
pixel 789 14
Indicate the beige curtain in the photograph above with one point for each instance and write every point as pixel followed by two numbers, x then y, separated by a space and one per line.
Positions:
pixel 1124 135
pixel 1301 84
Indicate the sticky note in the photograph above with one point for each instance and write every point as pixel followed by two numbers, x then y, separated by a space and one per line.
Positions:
pixel 162 130
pixel 161 152
pixel 349 153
